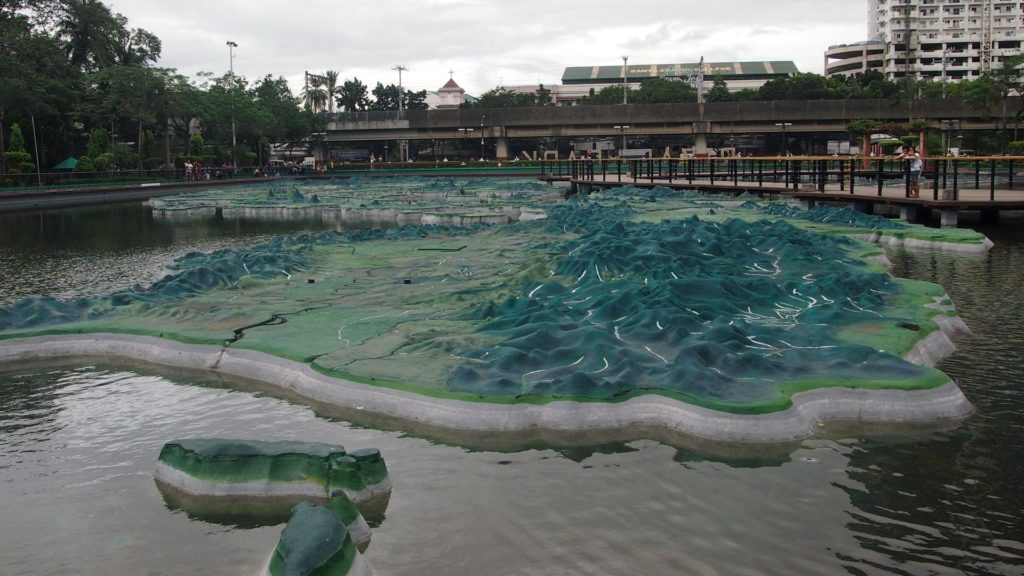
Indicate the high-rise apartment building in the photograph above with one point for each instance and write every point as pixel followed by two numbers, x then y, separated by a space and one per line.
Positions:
pixel 939 39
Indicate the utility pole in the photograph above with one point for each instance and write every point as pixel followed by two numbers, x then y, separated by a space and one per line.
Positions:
pixel 700 81
pixel 625 79
pixel 401 143
pixel 231 58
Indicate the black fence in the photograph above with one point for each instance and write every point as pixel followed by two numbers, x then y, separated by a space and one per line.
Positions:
pixel 943 176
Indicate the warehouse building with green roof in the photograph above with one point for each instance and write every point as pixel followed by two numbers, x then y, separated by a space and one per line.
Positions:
pixel 577 81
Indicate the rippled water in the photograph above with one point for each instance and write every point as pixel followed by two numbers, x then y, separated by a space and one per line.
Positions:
pixel 94 251
pixel 78 444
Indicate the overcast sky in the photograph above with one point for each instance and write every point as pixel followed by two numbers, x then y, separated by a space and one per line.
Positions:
pixel 486 42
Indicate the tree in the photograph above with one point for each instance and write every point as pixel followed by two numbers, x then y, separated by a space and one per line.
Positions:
pixel 353 96
pixel 663 91
pixel 386 98
pixel 281 116
pixel 497 97
pixel 137 91
pixel 196 145
pixel 719 92
pixel 415 100
pixel 35 80
pixel 86 27
pixel 314 96
pixel 544 96
pixel 1010 78
pixel 133 47
pixel 99 143
pixel 864 129
pixel 331 88
pixel 16 154
pixel 611 94
pixel 803 87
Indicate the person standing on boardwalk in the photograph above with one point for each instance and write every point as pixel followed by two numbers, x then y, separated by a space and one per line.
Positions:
pixel 916 164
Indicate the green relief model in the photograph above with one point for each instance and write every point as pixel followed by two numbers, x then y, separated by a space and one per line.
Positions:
pixel 321 483
pixel 741 322
pixel 314 543
pixel 215 467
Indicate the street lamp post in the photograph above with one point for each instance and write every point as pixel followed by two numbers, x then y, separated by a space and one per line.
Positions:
pixel 785 142
pixel 465 132
pixel 625 79
pixel 948 130
pixel 622 130
pixel 482 138
pixel 231 63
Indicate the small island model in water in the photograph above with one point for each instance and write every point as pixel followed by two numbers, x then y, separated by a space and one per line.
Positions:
pixel 214 467
pixel 315 542
pixel 320 483
pixel 727 320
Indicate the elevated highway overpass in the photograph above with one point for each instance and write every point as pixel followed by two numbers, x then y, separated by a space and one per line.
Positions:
pixel 803 116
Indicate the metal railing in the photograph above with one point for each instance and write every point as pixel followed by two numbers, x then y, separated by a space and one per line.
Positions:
pixel 14 182
pixel 944 176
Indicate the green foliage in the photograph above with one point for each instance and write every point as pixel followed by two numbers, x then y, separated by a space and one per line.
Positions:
pixel 85 165
pixel 386 98
pixel 196 145
pixel 652 91
pixel 99 143
pixel 804 87
pixel 719 92
pixel 1017 147
pixel 19 159
pixel 16 141
pixel 501 97
pixel 862 127
pixel 664 91
pixel 124 156
pixel 103 162
pixel 353 96
pixel 608 95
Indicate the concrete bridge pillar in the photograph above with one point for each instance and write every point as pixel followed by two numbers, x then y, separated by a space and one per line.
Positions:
pixel 862 207
pixel 501 149
pixel 948 218
pixel 807 203
pixel 989 216
pixel 915 214
pixel 700 144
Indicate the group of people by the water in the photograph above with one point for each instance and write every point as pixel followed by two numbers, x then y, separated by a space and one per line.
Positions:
pixel 196 171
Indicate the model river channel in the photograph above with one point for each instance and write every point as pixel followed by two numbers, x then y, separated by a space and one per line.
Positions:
pixel 78 441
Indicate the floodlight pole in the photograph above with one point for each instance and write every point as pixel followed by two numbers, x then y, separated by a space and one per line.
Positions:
pixel 231 58
pixel 401 143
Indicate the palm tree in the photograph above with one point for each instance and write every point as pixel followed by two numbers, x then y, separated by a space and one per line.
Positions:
pixel 314 96
pixel 86 27
pixel 331 88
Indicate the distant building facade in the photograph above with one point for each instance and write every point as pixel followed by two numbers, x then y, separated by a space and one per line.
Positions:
pixel 577 81
pixel 451 95
pixel 844 59
pixel 937 39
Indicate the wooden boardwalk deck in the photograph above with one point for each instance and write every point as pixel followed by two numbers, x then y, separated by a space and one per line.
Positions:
pixel 863 197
